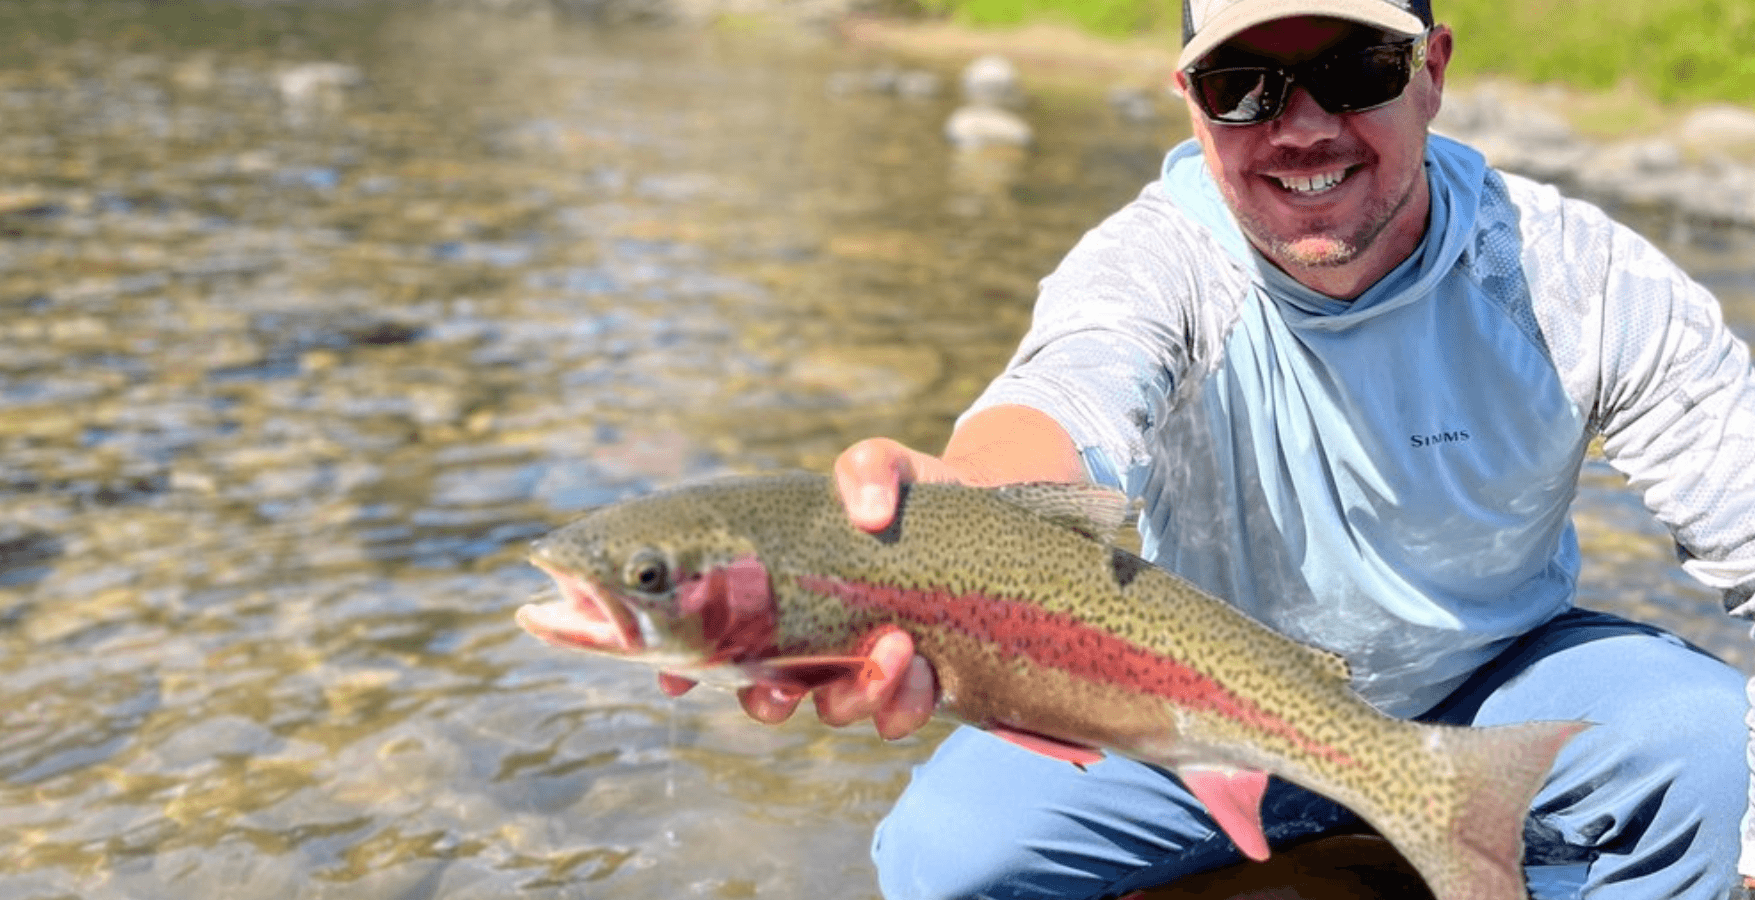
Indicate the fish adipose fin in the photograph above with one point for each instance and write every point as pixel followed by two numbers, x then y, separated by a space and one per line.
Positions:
pixel 1233 798
pixel 1077 754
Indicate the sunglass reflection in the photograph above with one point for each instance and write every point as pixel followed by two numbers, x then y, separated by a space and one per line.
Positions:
pixel 1340 82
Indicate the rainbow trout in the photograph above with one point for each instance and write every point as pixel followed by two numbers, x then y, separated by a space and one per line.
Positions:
pixel 1044 632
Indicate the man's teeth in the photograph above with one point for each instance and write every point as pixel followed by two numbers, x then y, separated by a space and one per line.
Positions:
pixel 1313 183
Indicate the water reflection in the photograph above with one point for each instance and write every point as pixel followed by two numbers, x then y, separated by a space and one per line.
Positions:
pixel 312 317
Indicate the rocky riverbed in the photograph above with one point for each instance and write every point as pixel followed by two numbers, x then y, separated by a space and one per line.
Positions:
pixel 1700 164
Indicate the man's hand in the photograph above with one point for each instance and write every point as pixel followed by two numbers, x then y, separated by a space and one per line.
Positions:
pixel 898 703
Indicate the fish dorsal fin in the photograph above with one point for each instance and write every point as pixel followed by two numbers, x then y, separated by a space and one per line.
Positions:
pixel 1092 510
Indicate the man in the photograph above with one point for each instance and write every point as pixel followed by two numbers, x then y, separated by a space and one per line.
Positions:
pixel 1352 373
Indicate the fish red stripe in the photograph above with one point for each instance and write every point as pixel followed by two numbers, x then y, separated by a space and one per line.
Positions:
pixel 1059 641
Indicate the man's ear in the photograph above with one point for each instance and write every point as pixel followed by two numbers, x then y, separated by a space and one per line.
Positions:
pixel 1438 49
pixel 1179 84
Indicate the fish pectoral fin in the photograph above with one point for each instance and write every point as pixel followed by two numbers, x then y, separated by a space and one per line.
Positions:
pixel 1233 797
pixel 1077 754
pixel 812 672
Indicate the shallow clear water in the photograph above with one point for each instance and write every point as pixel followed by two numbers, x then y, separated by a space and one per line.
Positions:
pixel 295 359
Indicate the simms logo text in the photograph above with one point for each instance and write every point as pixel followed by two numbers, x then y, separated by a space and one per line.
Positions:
pixel 1441 437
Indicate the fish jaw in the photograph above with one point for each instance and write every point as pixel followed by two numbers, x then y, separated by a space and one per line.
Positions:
pixel 587 617
pixel 717 629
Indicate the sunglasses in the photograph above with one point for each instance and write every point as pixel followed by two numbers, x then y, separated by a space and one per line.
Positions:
pixel 1340 81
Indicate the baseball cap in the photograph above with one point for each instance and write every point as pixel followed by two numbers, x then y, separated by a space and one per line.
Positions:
pixel 1208 23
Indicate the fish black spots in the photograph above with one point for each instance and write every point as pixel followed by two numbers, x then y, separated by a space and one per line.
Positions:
pixel 1124 566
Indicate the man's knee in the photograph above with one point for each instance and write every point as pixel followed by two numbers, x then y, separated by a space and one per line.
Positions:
pixel 1650 697
pixel 925 851
pixel 987 818
pixel 1696 716
pixel 1659 785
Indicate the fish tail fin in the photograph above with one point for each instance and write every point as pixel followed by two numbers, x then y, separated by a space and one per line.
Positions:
pixel 1479 793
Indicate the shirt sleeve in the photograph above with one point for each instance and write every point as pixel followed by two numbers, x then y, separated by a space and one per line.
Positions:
pixel 1676 408
pixel 1646 353
pixel 1117 325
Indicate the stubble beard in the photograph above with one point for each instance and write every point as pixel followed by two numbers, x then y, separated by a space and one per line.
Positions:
pixel 1318 246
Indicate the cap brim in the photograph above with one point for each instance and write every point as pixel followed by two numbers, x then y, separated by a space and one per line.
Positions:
pixel 1239 17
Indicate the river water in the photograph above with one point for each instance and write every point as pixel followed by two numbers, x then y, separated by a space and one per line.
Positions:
pixel 312 315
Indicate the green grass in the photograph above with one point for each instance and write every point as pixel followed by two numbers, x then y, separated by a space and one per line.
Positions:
pixel 1674 50
pixel 1109 18
pixel 1677 50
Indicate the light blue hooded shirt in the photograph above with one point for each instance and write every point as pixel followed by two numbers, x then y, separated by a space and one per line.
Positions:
pixel 1387 477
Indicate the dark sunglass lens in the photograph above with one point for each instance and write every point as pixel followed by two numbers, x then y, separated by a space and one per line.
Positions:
pixel 1362 80
pixel 1240 96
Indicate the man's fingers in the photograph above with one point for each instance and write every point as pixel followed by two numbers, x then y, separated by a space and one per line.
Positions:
pixel 769 703
pixel 912 704
pixel 898 703
pixel 674 685
pixel 867 475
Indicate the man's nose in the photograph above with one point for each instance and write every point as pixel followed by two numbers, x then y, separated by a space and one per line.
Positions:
pixel 1304 122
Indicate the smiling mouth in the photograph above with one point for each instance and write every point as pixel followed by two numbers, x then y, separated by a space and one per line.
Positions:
pixel 1311 185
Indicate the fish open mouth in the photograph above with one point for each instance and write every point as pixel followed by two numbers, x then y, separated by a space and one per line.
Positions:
pixel 586 617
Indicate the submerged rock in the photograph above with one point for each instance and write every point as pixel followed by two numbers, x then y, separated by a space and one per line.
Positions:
pixel 316 86
pixel 992 80
pixel 908 83
pixel 1135 104
pixel 1719 128
pixel 976 126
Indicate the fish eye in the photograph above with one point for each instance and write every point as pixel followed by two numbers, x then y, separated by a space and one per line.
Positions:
pixel 648 572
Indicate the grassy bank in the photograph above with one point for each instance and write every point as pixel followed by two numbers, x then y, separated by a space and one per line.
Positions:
pixel 1675 50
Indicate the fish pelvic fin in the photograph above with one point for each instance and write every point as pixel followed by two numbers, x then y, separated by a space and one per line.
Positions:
pixel 1053 748
pixel 807 673
pixel 1467 842
pixel 1233 798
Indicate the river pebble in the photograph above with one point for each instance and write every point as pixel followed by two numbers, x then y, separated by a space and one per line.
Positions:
pixel 992 80
pixel 975 126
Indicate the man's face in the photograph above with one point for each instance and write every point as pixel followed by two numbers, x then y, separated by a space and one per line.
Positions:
pixel 1336 200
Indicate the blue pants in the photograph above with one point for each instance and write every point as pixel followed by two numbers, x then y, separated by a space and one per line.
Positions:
pixel 1644 806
